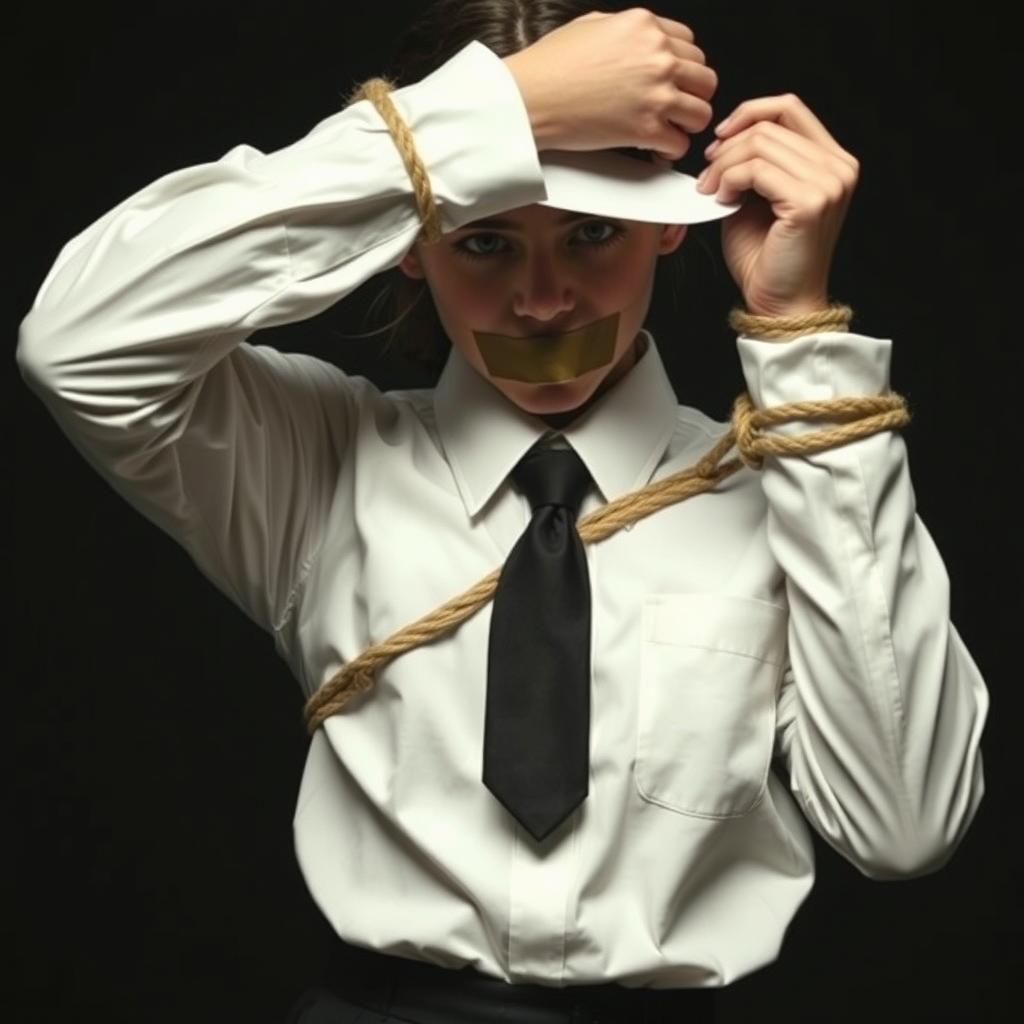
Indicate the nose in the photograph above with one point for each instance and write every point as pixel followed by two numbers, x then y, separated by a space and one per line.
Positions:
pixel 543 292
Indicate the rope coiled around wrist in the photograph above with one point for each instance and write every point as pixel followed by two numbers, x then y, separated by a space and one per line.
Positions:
pixel 858 415
pixel 377 90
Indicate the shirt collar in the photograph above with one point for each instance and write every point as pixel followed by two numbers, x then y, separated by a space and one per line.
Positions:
pixel 621 437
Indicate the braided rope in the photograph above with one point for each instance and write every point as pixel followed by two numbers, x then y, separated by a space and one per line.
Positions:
pixel 884 412
pixel 376 90
pixel 768 328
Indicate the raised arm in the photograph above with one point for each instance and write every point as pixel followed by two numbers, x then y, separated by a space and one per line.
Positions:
pixel 136 339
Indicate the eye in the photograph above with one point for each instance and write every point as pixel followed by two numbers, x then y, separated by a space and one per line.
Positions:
pixel 463 246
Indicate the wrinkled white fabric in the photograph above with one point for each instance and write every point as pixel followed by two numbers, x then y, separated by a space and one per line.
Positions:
pixel 800 611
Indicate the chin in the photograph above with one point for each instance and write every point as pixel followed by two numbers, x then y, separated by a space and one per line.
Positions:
pixel 561 396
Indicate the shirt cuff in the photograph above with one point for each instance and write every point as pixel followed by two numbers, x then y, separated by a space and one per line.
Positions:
pixel 472 128
pixel 824 365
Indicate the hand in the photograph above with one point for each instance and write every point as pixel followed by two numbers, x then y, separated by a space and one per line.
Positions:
pixel 604 80
pixel 778 246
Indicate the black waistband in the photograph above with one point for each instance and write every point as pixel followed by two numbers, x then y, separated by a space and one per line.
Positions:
pixel 429 994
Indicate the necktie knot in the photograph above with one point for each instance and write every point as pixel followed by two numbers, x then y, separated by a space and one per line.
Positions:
pixel 552 476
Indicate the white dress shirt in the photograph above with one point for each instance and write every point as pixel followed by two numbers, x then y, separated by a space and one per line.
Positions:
pixel 799 612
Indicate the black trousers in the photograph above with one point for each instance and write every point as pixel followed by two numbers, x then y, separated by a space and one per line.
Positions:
pixel 362 986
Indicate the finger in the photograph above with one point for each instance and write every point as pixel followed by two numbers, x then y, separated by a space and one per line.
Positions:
pixel 688 51
pixel 675 145
pixel 752 142
pixel 687 109
pixel 692 72
pixel 746 152
pixel 676 29
pixel 788 110
pixel 680 38
pixel 792 198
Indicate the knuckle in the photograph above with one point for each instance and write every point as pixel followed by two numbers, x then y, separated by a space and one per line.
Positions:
pixel 665 64
pixel 664 98
pixel 834 194
pixel 686 28
pixel 754 144
pixel 818 203
pixel 651 124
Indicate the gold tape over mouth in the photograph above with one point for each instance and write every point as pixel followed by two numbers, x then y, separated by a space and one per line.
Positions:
pixel 550 358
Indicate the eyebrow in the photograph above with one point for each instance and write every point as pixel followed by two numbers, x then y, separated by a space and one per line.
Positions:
pixel 511 225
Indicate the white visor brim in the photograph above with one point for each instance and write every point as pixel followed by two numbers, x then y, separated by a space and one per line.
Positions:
pixel 610 184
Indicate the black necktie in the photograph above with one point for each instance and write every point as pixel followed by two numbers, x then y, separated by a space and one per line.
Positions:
pixel 537 724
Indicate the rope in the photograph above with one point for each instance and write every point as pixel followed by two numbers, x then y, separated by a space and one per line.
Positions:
pixel 858 415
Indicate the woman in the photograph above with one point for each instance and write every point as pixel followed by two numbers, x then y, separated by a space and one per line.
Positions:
pixel 798 610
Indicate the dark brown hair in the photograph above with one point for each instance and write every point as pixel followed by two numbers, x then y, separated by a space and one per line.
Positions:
pixel 440 31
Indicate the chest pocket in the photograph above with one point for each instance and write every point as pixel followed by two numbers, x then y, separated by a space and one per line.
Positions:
pixel 710 670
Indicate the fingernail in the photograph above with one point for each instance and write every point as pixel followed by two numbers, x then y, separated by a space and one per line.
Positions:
pixel 719 128
pixel 703 178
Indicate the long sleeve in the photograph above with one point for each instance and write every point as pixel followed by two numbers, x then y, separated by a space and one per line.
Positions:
pixel 882 706
pixel 136 339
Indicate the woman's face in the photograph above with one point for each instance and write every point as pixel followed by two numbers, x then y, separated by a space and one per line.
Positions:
pixel 543 275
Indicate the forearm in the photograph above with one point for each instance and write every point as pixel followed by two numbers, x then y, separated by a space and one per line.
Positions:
pixel 884 706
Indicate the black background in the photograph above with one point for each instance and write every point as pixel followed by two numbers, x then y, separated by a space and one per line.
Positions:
pixel 156 740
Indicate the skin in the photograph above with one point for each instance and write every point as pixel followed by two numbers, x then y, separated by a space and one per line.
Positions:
pixel 799 183
pixel 545 278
